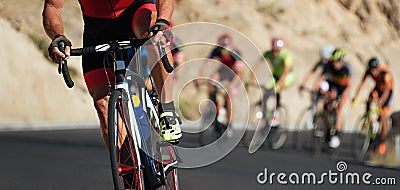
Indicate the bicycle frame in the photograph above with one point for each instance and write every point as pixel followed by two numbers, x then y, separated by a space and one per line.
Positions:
pixel 123 76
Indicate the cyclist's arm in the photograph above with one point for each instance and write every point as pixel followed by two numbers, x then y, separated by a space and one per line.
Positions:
pixel 309 74
pixel 165 8
pixel 257 67
pixel 288 64
pixel 319 80
pixel 281 80
pixel 52 23
pixel 360 86
pixel 346 92
pixel 51 15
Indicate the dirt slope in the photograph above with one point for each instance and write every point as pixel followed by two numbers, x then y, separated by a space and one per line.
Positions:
pixel 365 28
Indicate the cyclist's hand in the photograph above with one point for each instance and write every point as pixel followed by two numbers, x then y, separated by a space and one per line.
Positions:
pixel 197 83
pixel 160 31
pixel 301 88
pixel 55 53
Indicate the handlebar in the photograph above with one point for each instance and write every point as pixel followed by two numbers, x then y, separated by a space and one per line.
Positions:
pixel 113 46
pixel 63 67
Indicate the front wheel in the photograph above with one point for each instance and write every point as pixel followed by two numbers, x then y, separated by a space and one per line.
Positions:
pixel 278 133
pixel 361 139
pixel 304 127
pixel 123 158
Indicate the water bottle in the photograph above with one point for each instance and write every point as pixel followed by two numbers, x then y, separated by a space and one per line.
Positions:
pixel 374 120
pixel 221 114
pixel 141 117
pixel 375 127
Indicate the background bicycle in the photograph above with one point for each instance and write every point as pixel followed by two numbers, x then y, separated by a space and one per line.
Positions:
pixel 316 123
pixel 215 119
pixel 139 160
pixel 367 132
pixel 273 118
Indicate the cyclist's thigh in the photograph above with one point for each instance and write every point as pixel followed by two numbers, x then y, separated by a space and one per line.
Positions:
pixel 388 101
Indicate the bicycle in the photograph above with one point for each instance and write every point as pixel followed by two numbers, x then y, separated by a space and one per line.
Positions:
pixel 367 134
pixel 306 119
pixel 215 116
pixel 274 118
pixel 317 123
pixel 139 159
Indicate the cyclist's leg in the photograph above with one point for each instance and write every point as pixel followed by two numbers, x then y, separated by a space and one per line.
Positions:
pixel 145 17
pixel 228 106
pixel 384 122
pixel 99 31
pixel 289 81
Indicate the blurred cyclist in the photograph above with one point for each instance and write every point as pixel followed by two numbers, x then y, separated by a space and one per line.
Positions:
pixel 325 56
pixel 281 60
pixel 338 73
pixel 229 56
pixel 384 87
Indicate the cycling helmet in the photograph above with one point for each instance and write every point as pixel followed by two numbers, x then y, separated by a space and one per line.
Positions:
pixel 224 40
pixel 338 54
pixel 277 43
pixel 373 63
pixel 326 52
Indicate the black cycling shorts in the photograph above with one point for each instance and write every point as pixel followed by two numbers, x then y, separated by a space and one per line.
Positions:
pixel 99 30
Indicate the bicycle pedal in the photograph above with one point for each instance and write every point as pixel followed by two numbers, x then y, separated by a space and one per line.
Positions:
pixel 319 133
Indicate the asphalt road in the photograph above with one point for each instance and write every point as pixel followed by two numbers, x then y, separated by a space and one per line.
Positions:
pixel 77 159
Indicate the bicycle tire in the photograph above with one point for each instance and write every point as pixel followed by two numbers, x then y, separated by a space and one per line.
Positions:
pixel 125 172
pixel 279 133
pixel 171 176
pixel 361 138
pixel 304 124
pixel 216 129
pixel 319 134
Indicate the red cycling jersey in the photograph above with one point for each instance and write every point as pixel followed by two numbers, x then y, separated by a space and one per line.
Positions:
pixel 103 8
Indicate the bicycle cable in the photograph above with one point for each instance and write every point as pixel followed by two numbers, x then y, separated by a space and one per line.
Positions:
pixel 112 9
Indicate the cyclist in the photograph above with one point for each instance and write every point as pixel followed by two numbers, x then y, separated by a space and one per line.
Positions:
pixel 229 56
pixel 338 73
pixel 325 54
pixel 281 60
pixel 384 87
pixel 115 20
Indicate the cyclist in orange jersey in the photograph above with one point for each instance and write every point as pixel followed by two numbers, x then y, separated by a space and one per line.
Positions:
pixel 384 88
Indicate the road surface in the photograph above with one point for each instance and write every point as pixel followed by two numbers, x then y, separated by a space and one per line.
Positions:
pixel 77 159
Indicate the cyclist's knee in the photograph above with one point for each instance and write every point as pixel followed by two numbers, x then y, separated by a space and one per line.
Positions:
pixel 385 111
pixel 99 91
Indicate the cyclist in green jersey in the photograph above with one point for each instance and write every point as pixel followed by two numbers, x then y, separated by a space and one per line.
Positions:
pixel 281 60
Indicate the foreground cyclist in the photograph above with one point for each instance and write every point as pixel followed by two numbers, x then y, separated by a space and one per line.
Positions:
pixel 338 73
pixel 115 20
pixel 384 87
